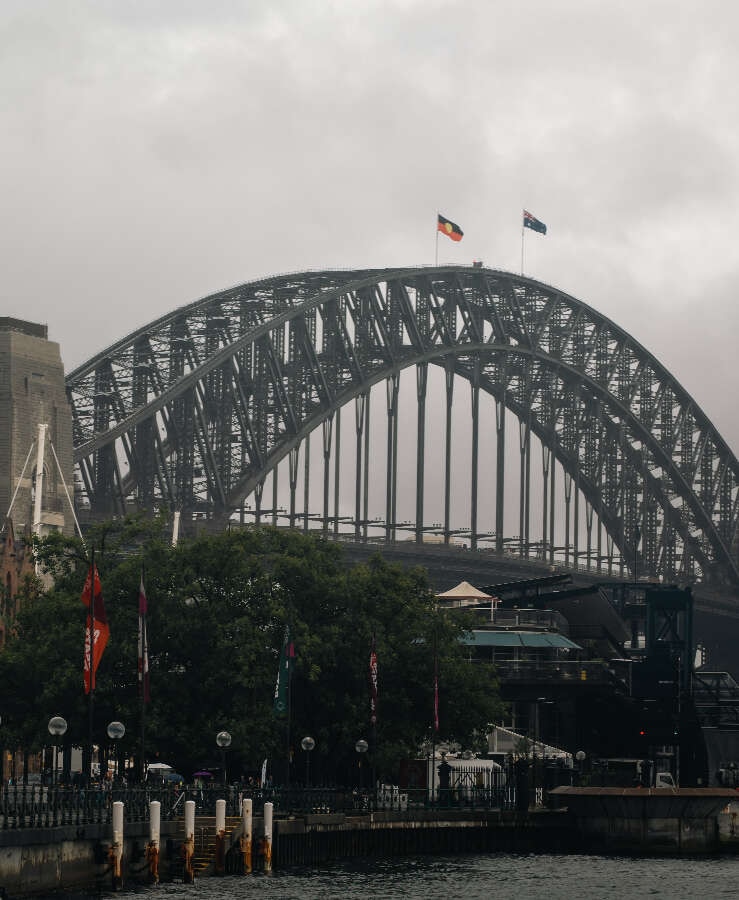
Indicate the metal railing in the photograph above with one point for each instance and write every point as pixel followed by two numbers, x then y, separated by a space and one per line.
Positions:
pixel 41 806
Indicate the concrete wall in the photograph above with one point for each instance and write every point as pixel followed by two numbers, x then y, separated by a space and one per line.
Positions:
pixel 37 862
pixel 652 835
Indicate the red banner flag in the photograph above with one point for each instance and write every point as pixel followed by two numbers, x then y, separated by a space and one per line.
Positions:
pixel 97 630
pixel 143 661
pixel 373 683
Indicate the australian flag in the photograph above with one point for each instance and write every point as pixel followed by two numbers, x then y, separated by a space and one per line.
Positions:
pixel 533 223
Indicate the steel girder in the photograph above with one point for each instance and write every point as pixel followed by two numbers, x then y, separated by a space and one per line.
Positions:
pixel 192 411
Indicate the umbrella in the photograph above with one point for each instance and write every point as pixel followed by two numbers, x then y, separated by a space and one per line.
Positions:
pixel 202 774
pixel 159 766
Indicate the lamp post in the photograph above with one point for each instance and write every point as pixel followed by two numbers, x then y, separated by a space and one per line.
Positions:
pixel 580 757
pixel 116 730
pixel 307 744
pixel 223 739
pixel 57 729
pixel 361 747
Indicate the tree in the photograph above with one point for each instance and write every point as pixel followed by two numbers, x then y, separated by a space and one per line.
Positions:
pixel 218 607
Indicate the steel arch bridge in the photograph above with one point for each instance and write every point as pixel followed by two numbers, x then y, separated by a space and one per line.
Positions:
pixel 194 411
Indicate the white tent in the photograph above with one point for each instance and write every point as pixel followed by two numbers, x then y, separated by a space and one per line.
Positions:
pixel 503 740
pixel 466 594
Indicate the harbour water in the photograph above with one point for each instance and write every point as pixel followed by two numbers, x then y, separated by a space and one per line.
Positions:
pixel 475 877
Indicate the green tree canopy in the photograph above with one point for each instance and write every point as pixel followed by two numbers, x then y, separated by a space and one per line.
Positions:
pixel 218 607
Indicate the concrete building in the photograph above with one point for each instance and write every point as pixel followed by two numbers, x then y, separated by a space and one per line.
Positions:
pixel 32 393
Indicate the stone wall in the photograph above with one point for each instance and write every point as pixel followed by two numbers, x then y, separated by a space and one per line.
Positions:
pixel 32 392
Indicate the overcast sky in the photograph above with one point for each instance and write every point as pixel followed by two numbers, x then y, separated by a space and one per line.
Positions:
pixel 154 151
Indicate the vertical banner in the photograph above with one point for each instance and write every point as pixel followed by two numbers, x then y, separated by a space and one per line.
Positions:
pixel 373 682
pixel 287 655
pixel 96 626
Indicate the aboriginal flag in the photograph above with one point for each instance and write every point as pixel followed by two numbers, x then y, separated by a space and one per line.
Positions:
pixel 450 229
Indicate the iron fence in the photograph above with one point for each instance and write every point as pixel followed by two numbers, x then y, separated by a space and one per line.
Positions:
pixel 41 806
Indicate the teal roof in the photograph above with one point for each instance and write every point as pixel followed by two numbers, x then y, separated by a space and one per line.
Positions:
pixel 532 639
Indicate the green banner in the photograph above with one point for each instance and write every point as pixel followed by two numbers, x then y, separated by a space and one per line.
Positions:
pixel 282 686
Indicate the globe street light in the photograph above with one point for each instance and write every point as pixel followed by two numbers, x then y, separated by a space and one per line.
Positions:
pixel 307 744
pixel 223 739
pixel 57 729
pixel 361 747
pixel 580 757
pixel 116 730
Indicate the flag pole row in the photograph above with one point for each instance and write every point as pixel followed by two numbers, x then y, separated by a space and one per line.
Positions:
pixel 97 634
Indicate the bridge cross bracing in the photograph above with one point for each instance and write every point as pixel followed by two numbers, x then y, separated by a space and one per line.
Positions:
pixel 597 456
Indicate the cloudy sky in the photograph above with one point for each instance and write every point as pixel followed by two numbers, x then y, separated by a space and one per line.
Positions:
pixel 154 151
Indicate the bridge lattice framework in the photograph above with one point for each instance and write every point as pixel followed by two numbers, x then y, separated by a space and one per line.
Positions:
pixel 195 410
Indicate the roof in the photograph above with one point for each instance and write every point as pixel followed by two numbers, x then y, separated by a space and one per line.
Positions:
pixel 465 591
pixel 533 639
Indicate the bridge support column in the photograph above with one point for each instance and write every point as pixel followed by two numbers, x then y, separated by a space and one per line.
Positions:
pixel 359 404
pixel 475 451
pixel 448 447
pixel 524 443
pixel 552 470
pixel 366 464
pixel 337 464
pixel 546 454
pixel 576 523
pixel 568 497
pixel 258 491
pixel 306 484
pixel 500 473
pixel 293 460
pixel 589 533
pixel 327 437
pixel 421 387
pixel 392 384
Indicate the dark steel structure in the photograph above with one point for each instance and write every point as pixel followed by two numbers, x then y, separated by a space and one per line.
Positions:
pixel 194 411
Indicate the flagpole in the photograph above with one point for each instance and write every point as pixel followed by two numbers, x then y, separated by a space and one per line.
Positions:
pixel 373 707
pixel 91 657
pixel 433 732
pixel 289 711
pixel 523 231
pixel 436 262
pixel 434 720
pixel 143 638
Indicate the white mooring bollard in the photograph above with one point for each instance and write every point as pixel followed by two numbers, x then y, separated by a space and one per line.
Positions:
pixel 116 849
pixel 188 847
pixel 152 848
pixel 268 816
pixel 246 839
pixel 220 860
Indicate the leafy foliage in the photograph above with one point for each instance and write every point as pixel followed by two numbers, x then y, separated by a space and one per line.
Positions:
pixel 218 606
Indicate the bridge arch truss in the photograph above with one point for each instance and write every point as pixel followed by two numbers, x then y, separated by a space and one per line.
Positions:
pixel 194 411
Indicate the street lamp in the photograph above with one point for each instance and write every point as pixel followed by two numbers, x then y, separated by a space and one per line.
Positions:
pixel 116 730
pixel 307 744
pixel 223 739
pixel 361 747
pixel 57 729
pixel 580 757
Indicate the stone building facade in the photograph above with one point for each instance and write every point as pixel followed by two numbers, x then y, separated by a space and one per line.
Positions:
pixel 16 563
pixel 33 393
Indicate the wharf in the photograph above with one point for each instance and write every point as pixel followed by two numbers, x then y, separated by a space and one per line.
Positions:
pixel 40 861
pixel 650 820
